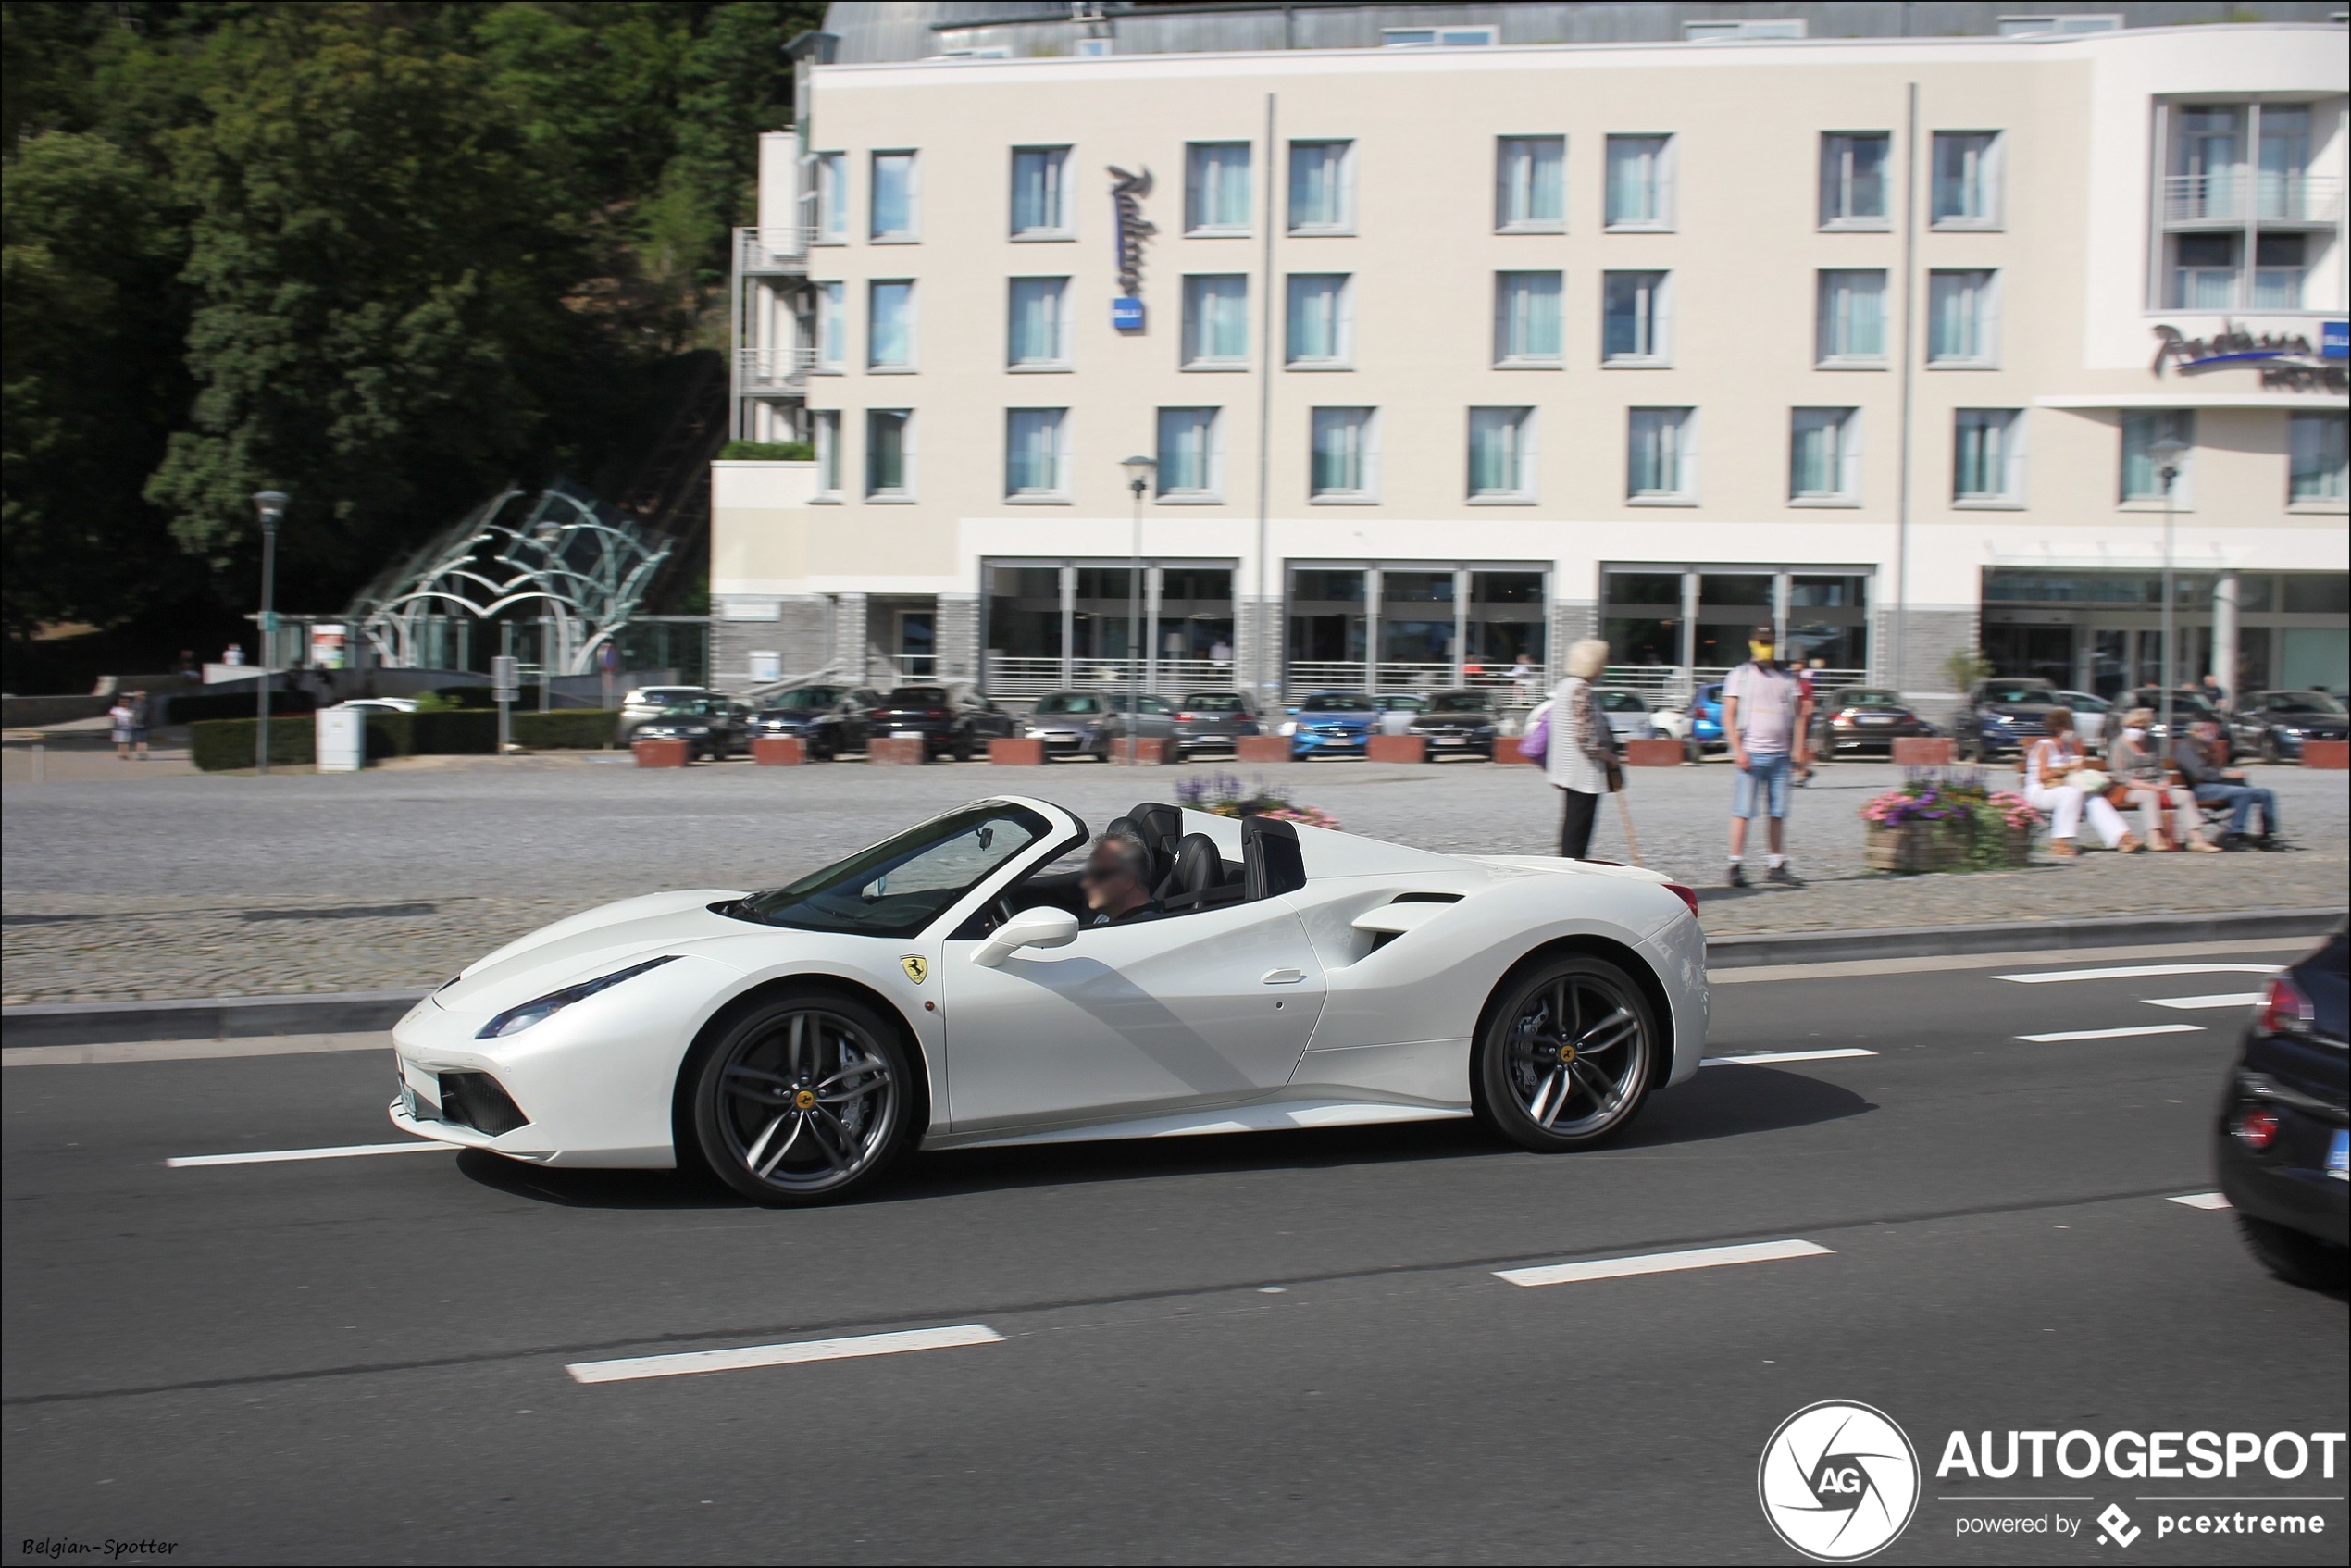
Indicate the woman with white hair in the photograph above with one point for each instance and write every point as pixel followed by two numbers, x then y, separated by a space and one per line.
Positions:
pixel 1581 758
pixel 2130 756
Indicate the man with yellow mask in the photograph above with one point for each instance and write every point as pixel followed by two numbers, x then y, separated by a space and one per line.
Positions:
pixel 1767 717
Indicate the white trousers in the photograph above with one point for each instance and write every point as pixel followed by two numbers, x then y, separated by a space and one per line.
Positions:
pixel 2186 819
pixel 2066 806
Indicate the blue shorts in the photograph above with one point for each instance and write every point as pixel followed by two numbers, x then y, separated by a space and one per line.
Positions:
pixel 1763 781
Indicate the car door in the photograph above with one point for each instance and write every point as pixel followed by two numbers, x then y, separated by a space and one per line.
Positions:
pixel 1153 1016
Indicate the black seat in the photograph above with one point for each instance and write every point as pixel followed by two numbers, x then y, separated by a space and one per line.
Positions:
pixel 1161 828
pixel 1199 874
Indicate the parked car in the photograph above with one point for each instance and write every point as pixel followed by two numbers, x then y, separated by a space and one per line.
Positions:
pixel 1705 732
pixel 649 702
pixel 1869 719
pixel 1207 721
pixel 1671 719
pixel 2188 705
pixel 2281 1144
pixel 828 720
pixel 1332 724
pixel 381 704
pixel 1145 718
pixel 1627 714
pixel 711 726
pixel 1072 724
pixel 1458 724
pixel 950 718
pixel 2272 725
pixel 1396 711
pixel 2001 716
pixel 2090 712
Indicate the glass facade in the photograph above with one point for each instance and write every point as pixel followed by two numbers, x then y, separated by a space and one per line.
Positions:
pixel 1413 626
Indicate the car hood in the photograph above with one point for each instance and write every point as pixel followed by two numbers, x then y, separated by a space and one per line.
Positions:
pixel 1350 716
pixel 584 946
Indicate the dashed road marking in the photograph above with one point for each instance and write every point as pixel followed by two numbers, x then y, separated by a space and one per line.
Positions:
pixel 2201 1200
pixel 691 1363
pixel 345 1151
pixel 2139 972
pixel 2188 1004
pixel 2115 1034
pixel 1662 1262
pixel 1756 1058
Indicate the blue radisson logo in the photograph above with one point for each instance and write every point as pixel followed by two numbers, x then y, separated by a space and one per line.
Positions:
pixel 2287 361
pixel 1126 194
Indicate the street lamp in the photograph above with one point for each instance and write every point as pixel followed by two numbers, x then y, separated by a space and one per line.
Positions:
pixel 1139 481
pixel 2166 451
pixel 270 504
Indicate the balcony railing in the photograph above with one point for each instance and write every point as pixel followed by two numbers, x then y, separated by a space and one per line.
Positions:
pixel 2235 196
pixel 1010 675
pixel 775 370
pixel 777 248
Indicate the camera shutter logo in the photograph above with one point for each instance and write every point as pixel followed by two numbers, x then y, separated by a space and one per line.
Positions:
pixel 1838 1481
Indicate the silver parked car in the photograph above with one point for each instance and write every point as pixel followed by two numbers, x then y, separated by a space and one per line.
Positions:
pixel 1627 714
pixel 1082 724
pixel 1213 721
pixel 648 703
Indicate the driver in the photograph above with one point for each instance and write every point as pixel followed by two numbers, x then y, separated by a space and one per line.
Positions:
pixel 1115 875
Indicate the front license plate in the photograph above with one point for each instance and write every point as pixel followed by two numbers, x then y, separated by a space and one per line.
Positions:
pixel 1449 739
pixel 2339 1156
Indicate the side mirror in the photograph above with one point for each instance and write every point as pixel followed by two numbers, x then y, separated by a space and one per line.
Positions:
pixel 1030 928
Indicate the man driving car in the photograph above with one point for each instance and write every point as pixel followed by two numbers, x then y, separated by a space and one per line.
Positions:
pixel 1116 877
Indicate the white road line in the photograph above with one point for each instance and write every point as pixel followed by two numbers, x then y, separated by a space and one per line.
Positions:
pixel 2233 998
pixel 344 1152
pixel 2115 1034
pixel 1662 1262
pixel 694 1361
pixel 1755 1057
pixel 188 1049
pixel 2139 972
pixel 2201 1200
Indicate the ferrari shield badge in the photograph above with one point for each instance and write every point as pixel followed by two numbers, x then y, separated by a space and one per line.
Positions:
pixel 917 967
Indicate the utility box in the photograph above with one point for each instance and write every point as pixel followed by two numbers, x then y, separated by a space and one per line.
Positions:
pixel 342 740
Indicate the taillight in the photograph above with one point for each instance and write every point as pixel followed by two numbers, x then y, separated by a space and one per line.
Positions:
pixel 1184 718
pixel 1688 895
pixel 2256 1128
pixel 2284 1010
pixel 938 712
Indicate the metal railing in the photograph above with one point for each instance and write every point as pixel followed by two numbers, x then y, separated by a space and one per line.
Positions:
pixel 2234 195
pixel 776 248
pixel 1010 675
pixel 767 368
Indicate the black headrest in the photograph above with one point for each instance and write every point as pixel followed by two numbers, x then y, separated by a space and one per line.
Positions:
pixel 1159 827
pixel 1199 866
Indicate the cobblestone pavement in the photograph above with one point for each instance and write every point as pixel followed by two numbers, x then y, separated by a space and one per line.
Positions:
pixel 135 886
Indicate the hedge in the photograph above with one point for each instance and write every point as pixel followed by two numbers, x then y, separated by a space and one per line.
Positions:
pixel 566 729
pixel 195 706
pixel 768 452
pixel 219 744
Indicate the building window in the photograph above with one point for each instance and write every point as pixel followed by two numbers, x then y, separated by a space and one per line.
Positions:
pixel 1640 183
pixel 2278 270
pixel 1501 455
pixel 1037 455
pixel 1527 318
pixel 1987 456
pixel 1824 456
pixel 824 429
pixel 832 199
pixel 1039 317
pixel 1041 193
pixel 1216 188
pixel 1635 318
pixel 1215 321
pixel 889 454
pixel 1191 455
pixel 1966 191
pixel 1962 318
pixel 832 326
pixel 2237 188
pixel 1321 187
pixel 1344 462
pixel 1852 327
pixel 895 197
pixel 889 325
pixel 1660 454
pixel 1530 184
pixel 1437 38
pixel 2142 468
pixel 1853 178
pixel 1321 326
pixel 2315 444
pixel 2203 271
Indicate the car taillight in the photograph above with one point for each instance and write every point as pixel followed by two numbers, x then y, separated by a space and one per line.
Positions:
pixel 2284 1010
pixel 1186 718
pixel 2256 1128
pixel 937 712
pixel 1688 895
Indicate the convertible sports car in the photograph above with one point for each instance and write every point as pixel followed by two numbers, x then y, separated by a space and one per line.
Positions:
pixel 943 988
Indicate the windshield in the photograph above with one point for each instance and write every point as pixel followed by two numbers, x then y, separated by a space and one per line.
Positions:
pixel 1867 697
pixel 918 697
pixel 2304 703
pixel 1456 702
pixel 903 884
pixel 1069 702
pixel 1215 702
pixel 1622 703
pixel 807 697
pixel 692 707
pixel 1402 704
pixel 1337 703
pixel 2020 691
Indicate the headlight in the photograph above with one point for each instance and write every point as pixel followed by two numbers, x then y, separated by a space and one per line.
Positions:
pixel 513 1020
pixel 1288 726
pixel 1485 730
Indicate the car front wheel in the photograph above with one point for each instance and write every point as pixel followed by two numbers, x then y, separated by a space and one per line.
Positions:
pixel 1567 1056
pixel 805 1099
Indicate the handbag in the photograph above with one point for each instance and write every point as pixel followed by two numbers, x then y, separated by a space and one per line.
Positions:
pixel 2089 781
pixel 1534 741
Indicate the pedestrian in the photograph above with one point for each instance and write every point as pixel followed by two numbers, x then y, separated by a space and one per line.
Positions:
pixel 1522 676
pixel 2137 768
pixel 233 655
pixel 2212 691
pixel 1765 718
pixel 121 721
pixel 1807 688
pixel 2057 781
pixel 1220 651
pixel 2202 765
pixel 1580 756
pixel 142 711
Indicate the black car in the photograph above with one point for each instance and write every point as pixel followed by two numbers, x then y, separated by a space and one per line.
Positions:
pixel 1867 718
pixel 2282 1137
pixel 952 721
pixel 2272 725
pixel 712 726
pixel 2189 707
pixel 828 720
pixel 1457 724
pixel 2001 716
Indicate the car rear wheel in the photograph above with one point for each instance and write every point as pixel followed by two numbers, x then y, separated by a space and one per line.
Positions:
pixel 2295 1257
pixel 805 1099
pixel 1567 1056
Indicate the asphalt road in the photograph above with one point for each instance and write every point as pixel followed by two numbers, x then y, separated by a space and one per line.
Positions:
pixel 1250 1349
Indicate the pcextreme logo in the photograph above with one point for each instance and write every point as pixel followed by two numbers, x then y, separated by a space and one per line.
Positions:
pixel 1838 1481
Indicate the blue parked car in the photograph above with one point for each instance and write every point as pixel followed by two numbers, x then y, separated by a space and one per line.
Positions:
pixel 1706 721
pixel 1332 724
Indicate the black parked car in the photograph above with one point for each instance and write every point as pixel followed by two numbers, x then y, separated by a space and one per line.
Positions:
pixel 952 720
pixel 2272 725
pixel 1211 721
pixel 2001 716
pixel 1867 718
pixel 828 720
pixel 713 726
pixel 1457 724
pixel 2189 707
pixel 2282 1136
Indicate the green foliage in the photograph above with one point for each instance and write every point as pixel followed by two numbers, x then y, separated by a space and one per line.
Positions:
pixel 467 733
pixel 194 708
pixel 435 703
pixel 768 452
pixel 1964 666
pixel 215 744
pixel 566 729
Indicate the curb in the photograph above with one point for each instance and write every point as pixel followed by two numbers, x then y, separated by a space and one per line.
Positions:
pixel 106 1023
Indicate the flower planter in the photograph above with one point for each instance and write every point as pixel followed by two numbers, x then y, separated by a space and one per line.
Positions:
pixel 779 751
pixel 1011 751
pixel 1506 749
pixel 1261 748
pixel 1651 753
pixel 662 754
pixel 1921 751
pixel 1396 748
pixel 1942 846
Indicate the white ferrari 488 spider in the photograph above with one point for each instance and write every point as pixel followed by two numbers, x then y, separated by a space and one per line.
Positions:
pixel 943 990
